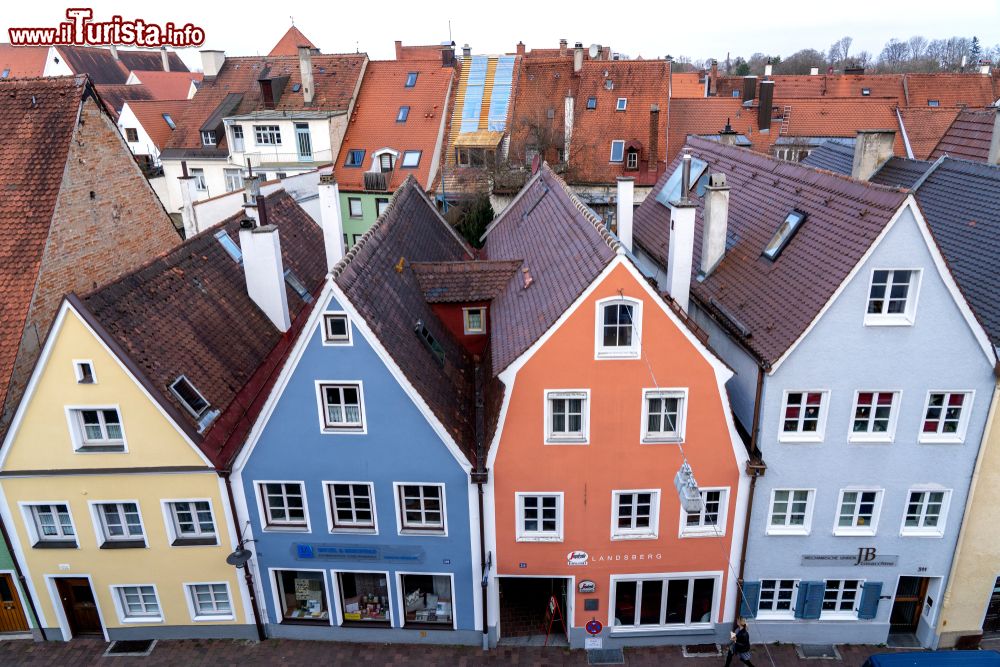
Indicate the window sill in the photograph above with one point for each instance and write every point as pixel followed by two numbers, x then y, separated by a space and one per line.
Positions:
pixel 839 616
pixel 195 542
pixel 345 430
pixel 287 529
pixel 854 532
pixel 143 619
pixel 55 544
pixel 937 534
pixel 100 449
pixel 869 440
pixel 772 616
pixel 567 441
pixel 888 321
pixel 353 531
pixel 416 532
pixel 124 544
pixel 701 532
pixel 801 532
pixel 211 619
pixel 940 440
pixel 531 538
pixel 604 355
pixel 799 439
pixel 637 536
pixel 664 440
pixel 654 630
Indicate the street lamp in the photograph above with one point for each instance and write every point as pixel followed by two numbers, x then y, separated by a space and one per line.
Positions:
pixel 241 559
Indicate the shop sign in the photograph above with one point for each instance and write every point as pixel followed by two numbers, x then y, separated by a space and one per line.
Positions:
pixel 864 557
pixel 577 558
pixel 586 586
pixel 355 552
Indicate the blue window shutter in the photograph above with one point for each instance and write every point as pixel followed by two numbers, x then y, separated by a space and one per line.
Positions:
pixel 870 593
pixel 750 599
pixel 809 602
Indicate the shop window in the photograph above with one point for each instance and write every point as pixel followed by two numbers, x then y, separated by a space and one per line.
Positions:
pixel 302 596
pixel 364 597
pixel 662 602
pixel 427 600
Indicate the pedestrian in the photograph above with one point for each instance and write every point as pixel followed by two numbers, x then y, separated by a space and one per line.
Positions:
pixel 740 644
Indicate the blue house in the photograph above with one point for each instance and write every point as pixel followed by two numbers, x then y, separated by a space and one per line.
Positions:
pixel 356 478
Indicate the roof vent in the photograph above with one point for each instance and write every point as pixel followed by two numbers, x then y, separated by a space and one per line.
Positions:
pixel 528 280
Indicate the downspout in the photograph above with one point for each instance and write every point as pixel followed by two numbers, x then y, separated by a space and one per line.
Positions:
pixel 756 468
pixel 23 581
pixel 480 476
pixel 251 590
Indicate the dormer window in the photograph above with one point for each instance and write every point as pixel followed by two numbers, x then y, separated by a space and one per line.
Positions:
pixel 411 79
pixel 591 103
pixel 475 320
pixel 404 113
pixel 189 397
pixel 622 103
pixel 386 162
pixel 84 372
pixel 632 159
pixel 618 329
pixel 784 234
pixel 208 138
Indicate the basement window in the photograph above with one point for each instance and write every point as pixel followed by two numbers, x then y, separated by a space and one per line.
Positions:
pixel 411 79
pixel 933 103
pixel 229 245
pixel 591 102
pixel 169 121
pixel 296 284
pixel 189 397
pixel 784 234
pixel 622 103
pixel 429 341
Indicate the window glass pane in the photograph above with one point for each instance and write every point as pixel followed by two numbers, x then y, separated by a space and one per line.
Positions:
pixel 303 595
pixel 701 603
pixel 677 595
pixel 427 599
pixel 365 597
pixel 652 598
pixel 625 603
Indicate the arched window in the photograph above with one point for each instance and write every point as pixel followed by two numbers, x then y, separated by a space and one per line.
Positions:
pixel 619 327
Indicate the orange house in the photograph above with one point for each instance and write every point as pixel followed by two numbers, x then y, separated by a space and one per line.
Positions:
pixel 606 392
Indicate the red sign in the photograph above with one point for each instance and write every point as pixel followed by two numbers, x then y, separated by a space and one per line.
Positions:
pixel 594 626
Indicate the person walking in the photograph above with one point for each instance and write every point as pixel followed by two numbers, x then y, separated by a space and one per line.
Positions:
pixel 740 645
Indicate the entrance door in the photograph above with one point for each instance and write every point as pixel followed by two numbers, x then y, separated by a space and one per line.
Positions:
pixel 524 602
pixel 992 621
pixel 80 606
pixel 909 601
pixel 304 142
pixel 12 618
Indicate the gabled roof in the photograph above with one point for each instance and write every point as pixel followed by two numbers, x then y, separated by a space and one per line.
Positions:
pixel 167 85
pixel 774 301
pixel 456 282
pixel 378 277
pixel 804 117
pixel 899 172
pixel 22 61
pixel 290 42
pixel 925 127
pixel 949 89
pixel 102 68
pixel 969 136
pixel 577 248
pixel 373 125
pixel 150 116
pixel 188 312
pixel 114 97
pixel 833 156
pixel 37 121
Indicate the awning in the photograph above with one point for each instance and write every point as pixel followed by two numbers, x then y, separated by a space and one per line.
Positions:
pixel 479 139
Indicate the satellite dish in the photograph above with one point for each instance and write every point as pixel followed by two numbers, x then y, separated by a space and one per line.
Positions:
pixel 239 557
pixel 594 50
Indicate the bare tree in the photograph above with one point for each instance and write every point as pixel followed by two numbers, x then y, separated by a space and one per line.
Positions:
pixel 894 56
pixel 840 50
pixel 918 47
pixel 801 62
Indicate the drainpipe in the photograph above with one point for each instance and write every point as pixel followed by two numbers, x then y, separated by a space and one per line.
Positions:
pixel 251 591
pixel 756 470
pixel 23 581
pixel 480 476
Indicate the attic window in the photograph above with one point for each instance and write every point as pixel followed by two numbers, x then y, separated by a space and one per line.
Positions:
pixel 866 92
pixel 336 329
pixel 296 284
pixel 169 121
pixel 208 137
pixel 189 397
pixel 622 103
pixel 632 159
pixel 411 158
pixel 84 372
pixel 403 114
pixel 296 87
pixel 591 102
pixel 355 157
pixel 736 93
pixel 933 103
pixel 784 234
pixel 411 79
pixel 473 320
pixel 617 150
pixel 229 245
pixel 430 341
pixel 609 84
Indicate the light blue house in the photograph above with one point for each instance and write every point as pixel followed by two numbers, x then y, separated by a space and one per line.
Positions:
pixel 863 381
pixel 356 479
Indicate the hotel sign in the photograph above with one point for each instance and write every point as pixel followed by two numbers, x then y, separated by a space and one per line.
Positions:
pixel 864 557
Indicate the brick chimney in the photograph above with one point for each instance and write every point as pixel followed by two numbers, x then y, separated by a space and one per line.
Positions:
pixel 713 81
pixel 263 267
pixel 466 51
pixel 331 220
pixel 577 57
pixel 625 208
pixel 871 149
pixel 749 88
pixel 764 105
pixel 165 58
pixel 562 47
pixel 399 50
pixel 994 154
pixel 680 251
pixel 653 150
pixel 716 222
pixel 306 72
pixel 520 48
pixel 212 62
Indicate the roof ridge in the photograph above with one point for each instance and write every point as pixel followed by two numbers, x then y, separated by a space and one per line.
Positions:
pixel 587 212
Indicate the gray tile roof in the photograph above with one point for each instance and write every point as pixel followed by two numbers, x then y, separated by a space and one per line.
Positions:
pixel 899 172
pixel 833 156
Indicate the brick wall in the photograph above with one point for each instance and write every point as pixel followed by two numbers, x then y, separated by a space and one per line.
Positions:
pixel 107 222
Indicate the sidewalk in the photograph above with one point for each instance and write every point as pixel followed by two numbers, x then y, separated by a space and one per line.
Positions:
pixel 220 653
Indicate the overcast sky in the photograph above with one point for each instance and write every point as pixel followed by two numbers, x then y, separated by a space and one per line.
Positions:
pixel 650 29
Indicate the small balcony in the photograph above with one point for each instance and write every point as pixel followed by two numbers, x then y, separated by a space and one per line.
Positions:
pixel 377 181
pixel 278 160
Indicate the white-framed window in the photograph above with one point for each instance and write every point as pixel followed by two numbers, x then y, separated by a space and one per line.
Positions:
pixel 892 297
pixel 641 603
pixel 336 329
pixel 617 150
pixel 474 320
pixel 777 597
pixel 841 597
pixel 96 429
pixel 710 520
pixel 411 159
pixel 632 159
pixel 131 134
pixel 421 508
pixel 237 138
pixel 137 604
pixel 427 600
pixel 803 416
pixel 351 507
pixel 567 416
pixel 946 416
pixel 267 135
pixel 858 511
pixel 120 524
pixel 636 514
pixel 381 204
pixel 618 328
pixel 354 208
pixel 926 512
pixel 791 512
pixel 198 174
pixel 385 161
pixel 50 524
pixel 191 522
pixel 874 416
pixel 539 517
pixel 234 179
pixel 209 601
pixel 189 396
pixel 208 138
pixel 84 371
pixel 283 505
pixel 622 104
pixel 341 407
pixel 663 413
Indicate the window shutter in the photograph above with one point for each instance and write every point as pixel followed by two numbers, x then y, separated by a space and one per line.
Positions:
pixel 870 593
pixel 809 602
pixel 750 599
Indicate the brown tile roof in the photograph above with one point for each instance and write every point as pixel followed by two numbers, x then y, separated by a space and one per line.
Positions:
pixel 22 61
pixel 188 312
pixel 577 249
pixel 542 88
pixel 335 79
pixel 950 90
pixel 290 42
pixel 969 136
pixel 150 115
pixel 102 68
pixel 37 121
pixel 373 123
pixel 925 127
pixel 774 301
pixel 420 51
pixel 453 282
pixel 391 302
pixel 168 85
pixel 114 97
pixel 837 117
pixel 707 116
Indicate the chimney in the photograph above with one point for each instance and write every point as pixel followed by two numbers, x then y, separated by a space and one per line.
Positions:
pixel 562 48
pixel 716 221
pixel 466 51
pixel 768 68
pixel 577 57
pixel 399 50
pixel 713 82
pixel 764 106
pixel 871 149
pixel 653 150
pixel 262 265
pixel 212 62
pixel 306 72
pixel 114 51
pixel 749 88
pixel 626 187
pixel 984 67
pixel 165 58
pixel 728 135
pixel 189 194
pixel 520 48
pixel 331 220
pixel 813 71
pixel 448 55
pixel 567 127
pixel 680 253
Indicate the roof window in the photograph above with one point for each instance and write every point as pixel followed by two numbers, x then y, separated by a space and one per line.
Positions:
pixel 671 190
pixel 933 103
pixel 169 121
pixel 5 74
pixel 866 92
pixel 429 341
pixel 355 157
pixel 622 103
pixel 411 79
pixel 189 397
pixel 617 150
pixel 784 234
pixel 404 113
pixel 229 245
pixel 296 284
pixel 591 102
pixel 296 87
pixel 411 158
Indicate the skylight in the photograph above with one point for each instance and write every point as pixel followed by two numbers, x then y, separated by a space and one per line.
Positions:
pixel 189 397
pixel 617 150
pixel 170 121
pixel 933 103
pixel 784 234
pixel 591 102
pixel 865 92
pixel 411 158
pixel 5 74
pixel 411 79
pixel 229 245
pixel 296 284
pixel 296 87
pixel 428 339
pixel 404 113
pixel 355 157
pixel 622 103
pixel 671 191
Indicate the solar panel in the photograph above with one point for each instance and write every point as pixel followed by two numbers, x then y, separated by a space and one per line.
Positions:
pixel 472 108
pixel 500 98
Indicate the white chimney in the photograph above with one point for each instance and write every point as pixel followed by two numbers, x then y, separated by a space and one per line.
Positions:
pixel 189 195
pixel 626 186
pixel 680 254
pixel 262 265
pixel 871 149
pixel 165 57
pixel 984 67
pixel 306 72
pixel 768 69
pixel 212 62
pixel 715 224
pixel 331 220
pixel 813 71
pixel 994 154
pixel 567 127
pixel 577 57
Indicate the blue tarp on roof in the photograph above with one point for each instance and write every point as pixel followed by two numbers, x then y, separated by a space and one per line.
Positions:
pixel 473 106
pixel 500 97
pixel 936 659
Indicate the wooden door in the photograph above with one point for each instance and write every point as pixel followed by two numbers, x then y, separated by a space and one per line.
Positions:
pixel 12 618
pixel 80 606
pixel 908 604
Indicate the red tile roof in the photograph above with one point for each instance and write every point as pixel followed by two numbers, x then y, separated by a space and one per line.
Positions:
pixel 289 43
pixel 707 116
pixel 22 61
pixel 684 84
pixel 150 116
pixel 925 127
pixel 836 117
pixel 950 90
pixel 373 124
pixel 543 84
pixel 969 136
pixel 420 51
pixel 168 85
pixel 102 68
